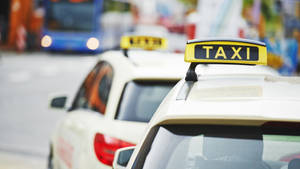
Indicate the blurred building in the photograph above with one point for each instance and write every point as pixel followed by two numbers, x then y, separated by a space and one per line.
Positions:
pixel 275 22
pixel 21 23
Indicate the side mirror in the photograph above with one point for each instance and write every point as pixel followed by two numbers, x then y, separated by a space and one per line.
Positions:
pixel 58 102
pixel 122 157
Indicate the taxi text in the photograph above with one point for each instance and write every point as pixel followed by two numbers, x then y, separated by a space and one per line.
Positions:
pixel 226 52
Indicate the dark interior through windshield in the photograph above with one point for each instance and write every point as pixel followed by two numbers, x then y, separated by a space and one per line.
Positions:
pixel 140 99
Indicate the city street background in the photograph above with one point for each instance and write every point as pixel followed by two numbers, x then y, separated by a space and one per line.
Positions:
pixel 30 72
pixel 27 82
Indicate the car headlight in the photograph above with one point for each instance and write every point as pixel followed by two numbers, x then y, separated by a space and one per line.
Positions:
pixel 92 43
pixel 46 41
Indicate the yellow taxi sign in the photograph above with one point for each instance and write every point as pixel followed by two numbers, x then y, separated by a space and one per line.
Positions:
pixel 236 51
pixel 143 42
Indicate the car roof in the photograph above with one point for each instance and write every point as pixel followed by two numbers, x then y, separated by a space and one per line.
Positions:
pixel 263 97
pixel 142 64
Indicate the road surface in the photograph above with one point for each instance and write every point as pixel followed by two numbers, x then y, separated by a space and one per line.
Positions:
pixel 27 82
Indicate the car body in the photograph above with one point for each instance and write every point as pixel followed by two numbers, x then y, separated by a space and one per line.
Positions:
pixel 229 121
pixel 112 107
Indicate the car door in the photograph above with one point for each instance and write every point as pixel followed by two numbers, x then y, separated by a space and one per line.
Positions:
pixel 90 102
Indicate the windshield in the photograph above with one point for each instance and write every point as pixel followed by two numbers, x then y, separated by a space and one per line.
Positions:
pixel 68 16
pixel 141 99
pixel 219 147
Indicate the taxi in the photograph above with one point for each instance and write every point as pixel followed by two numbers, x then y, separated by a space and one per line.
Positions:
pixel 222 121
pixel 114 103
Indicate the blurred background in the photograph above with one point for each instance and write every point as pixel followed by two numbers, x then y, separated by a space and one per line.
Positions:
pixel 48 46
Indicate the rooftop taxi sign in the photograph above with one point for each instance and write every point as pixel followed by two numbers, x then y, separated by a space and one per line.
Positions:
pixel 237 51
pixel 143 42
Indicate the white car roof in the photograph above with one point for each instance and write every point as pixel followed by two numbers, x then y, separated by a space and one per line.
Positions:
pixel 232 96
pixel 223 69
pixel 147 64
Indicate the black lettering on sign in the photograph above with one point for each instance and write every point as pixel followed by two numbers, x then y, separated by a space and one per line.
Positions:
pixel 145 42
pixel 226 52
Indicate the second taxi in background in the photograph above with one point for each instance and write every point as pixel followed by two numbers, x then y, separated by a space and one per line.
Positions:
pixel 114 104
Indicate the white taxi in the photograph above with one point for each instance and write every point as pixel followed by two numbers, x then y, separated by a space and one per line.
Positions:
pixel 223 121
pixel 114 103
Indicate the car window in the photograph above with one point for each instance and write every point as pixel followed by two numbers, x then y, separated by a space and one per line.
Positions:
pixel 140 99
pixel 101 89
pixel 104 87
pixel 215 147
pixel 94 91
